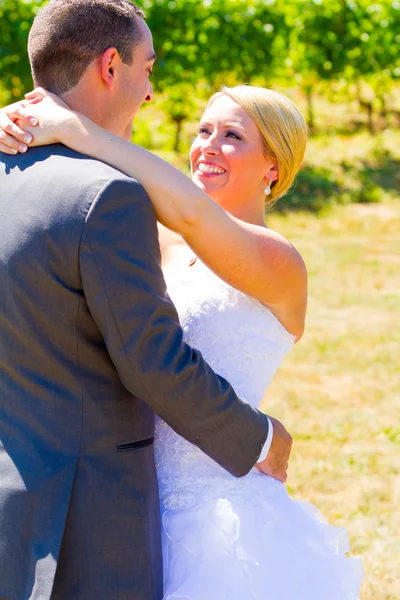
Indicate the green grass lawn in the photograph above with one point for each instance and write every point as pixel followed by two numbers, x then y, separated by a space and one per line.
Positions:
pixel 338 392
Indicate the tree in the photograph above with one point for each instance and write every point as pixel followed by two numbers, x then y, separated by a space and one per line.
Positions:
pixel 354 40
pixel 15 21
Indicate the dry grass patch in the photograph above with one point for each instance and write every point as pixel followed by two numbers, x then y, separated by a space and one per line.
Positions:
pixel 339 390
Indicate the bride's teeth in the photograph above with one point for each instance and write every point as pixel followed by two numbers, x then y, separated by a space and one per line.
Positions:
pixel 210 169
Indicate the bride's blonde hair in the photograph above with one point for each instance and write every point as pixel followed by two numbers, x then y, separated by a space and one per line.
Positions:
pixel 282 127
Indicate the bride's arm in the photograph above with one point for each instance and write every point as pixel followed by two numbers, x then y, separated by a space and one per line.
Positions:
pixel 253 259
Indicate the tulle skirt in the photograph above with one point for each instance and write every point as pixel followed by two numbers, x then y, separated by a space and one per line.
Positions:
pixel 258 546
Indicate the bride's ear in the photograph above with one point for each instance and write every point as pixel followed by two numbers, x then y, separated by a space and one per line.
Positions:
pixel 272 173
pixel 110 62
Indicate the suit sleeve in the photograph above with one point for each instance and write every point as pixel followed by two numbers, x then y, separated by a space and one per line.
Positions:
pixel 126 294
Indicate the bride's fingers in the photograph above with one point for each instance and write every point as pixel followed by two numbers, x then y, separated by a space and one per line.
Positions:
pixel 13 136
pixel 15 112
pixel 40 94
pixel 33 101
pixel 11 145
pixel 36 94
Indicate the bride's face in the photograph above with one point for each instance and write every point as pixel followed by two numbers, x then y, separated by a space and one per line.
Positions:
pixel 227 157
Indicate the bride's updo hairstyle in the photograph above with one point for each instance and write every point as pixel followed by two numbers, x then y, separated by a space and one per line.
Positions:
pixel 282 127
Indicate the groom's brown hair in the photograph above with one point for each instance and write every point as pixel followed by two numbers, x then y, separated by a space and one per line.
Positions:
pixel 67 35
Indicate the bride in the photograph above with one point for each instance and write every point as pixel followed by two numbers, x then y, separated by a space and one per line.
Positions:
pixel 240 290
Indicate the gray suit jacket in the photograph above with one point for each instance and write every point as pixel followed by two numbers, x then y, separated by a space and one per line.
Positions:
pixel 90 346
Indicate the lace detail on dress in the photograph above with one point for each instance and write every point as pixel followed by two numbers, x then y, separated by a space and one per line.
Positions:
pixel 188 478
pixel 242 341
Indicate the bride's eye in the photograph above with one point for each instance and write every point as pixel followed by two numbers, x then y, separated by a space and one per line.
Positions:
pixel 234 135
pixel 203 130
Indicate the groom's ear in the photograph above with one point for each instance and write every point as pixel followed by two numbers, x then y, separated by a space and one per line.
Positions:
pixel 110 62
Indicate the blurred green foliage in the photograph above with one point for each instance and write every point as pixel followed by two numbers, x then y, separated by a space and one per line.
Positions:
pixel 346 50
pixel 208 42
pixel 16 18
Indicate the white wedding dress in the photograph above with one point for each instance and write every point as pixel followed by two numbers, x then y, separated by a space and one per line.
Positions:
pixel 239 539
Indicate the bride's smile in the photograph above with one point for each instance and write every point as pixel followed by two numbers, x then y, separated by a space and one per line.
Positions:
pixel 207 168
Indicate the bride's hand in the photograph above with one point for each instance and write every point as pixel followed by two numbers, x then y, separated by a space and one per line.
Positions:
pixel 13 138
pixel 42 119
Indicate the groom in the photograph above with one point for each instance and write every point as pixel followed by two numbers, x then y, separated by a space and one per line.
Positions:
pixel 90 344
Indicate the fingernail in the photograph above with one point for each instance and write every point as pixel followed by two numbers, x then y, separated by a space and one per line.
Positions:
pixel 34 121
pixel 22 148
pixel 13 151
pixel 27 138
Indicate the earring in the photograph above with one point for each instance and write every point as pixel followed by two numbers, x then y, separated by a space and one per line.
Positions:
pixel 267 190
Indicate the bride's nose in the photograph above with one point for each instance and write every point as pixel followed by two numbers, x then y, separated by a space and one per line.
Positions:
pixel 211 145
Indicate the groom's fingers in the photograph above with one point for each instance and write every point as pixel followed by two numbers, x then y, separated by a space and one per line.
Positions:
pixel 276 463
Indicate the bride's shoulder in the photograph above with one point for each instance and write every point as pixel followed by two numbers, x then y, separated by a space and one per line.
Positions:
pixel 270 241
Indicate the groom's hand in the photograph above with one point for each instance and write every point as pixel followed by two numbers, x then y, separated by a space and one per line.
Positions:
pixel 276 463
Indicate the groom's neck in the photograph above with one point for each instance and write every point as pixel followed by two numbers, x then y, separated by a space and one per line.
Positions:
pixel 99 110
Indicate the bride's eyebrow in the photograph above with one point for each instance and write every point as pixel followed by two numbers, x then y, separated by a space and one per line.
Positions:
pixel 226 125
pixel 234 124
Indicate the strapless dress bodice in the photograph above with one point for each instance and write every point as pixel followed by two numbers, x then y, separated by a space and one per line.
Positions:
pixel 244 343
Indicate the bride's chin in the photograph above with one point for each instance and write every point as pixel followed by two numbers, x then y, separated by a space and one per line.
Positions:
pixel 199 183
pixel 213 191
pixel 205 184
